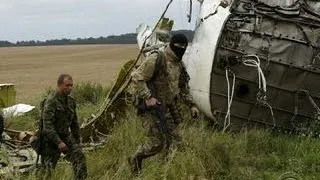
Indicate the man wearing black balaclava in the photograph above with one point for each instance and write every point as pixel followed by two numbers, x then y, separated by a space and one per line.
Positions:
pixel 159 83
pixel 178 44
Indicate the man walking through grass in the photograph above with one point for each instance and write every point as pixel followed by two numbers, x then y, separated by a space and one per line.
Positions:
pixel 61 132
pixel 159 82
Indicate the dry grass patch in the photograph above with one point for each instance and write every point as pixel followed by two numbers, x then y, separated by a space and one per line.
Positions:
pixel 33 69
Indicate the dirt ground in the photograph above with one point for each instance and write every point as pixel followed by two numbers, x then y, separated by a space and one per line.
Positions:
pixel 34 69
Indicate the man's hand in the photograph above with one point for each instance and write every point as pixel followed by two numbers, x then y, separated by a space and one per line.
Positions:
pixel 62 147
pixel 152 102
pixel 195 112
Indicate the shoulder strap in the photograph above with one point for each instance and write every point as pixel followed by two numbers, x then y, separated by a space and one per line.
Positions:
pixel 158 64
pixel 42 103
pixel 157 67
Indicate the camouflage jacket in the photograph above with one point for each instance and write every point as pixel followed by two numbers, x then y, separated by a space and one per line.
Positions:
pixel 60 118
pixel 167 81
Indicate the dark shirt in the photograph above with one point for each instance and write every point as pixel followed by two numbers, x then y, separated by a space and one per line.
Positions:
pixel 60 118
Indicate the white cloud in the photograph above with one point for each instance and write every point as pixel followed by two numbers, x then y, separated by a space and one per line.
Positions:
pixel 5 6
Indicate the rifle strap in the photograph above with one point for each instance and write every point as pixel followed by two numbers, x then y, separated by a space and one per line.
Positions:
pixel 159 62
pixel 40 134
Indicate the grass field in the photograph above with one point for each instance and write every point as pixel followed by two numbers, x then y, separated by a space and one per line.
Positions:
pixel 205 153
pixel 33 69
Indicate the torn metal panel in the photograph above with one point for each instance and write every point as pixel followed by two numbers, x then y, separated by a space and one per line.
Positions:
pixel 282 3
pixel 287 48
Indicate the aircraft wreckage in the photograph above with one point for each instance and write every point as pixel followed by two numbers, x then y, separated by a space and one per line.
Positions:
pixel 252 63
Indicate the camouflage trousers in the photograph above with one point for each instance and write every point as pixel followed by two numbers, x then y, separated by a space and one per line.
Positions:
pixel 50 156
pixel 4 157
pixel 157 141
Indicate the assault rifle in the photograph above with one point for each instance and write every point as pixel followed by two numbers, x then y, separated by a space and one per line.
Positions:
pixel 38 143
pixel 160 115
pixel 158 108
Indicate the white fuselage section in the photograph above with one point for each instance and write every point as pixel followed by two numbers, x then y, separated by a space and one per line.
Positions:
pixel 200 55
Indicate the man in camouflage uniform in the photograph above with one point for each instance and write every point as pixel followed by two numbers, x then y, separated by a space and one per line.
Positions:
pixel 61 130
pixel 168 86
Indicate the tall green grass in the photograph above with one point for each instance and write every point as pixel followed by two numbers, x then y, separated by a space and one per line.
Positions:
pixel 206 153
pixel 88 97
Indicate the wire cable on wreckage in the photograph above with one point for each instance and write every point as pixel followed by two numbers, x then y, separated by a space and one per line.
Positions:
pixel 251 61
pixel 254 61
pixel 190 11
pixel 227 120
pixel 223 3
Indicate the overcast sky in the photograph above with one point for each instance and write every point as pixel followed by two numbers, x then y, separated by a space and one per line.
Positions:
pixel 56 19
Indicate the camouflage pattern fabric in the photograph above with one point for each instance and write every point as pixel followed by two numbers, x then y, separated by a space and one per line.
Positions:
pixel 3 152
pixel 169 91
pixel 169 84
pixel 4 156
pixel 59 115
pixel 157 141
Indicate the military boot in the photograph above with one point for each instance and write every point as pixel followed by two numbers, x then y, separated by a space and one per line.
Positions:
pixel 135 163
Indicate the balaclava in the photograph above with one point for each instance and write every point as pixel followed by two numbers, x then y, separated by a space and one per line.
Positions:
pixel 180 39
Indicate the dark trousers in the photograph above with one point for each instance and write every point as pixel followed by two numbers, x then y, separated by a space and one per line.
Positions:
pixel 50 156
pixel 156 140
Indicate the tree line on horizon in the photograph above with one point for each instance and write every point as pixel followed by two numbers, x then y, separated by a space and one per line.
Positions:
pixel 129 38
